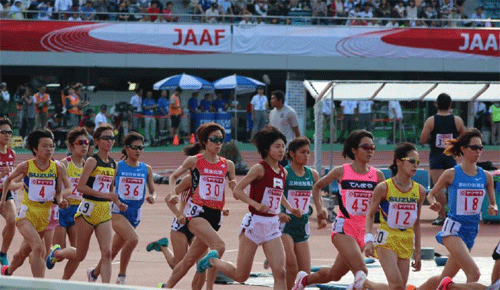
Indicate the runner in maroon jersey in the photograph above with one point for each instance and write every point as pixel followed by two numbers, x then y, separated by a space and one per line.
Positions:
pixel 261 225
pixel 208 172
pixel 7 158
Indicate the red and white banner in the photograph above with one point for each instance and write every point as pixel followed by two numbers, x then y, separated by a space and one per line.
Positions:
pixel 321 41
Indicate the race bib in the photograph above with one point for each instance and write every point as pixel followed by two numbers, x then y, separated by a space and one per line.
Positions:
pixel 381 237
pixel 41 189
pixel 402 215
pixel 272 198
pixel 469 201
pixel 54 213
pixel 299 199
pixel 338 225
pixel 246 222
pixel 441 138
pixel 194 210
pixel 75 194
pixel 131 188
pixel 357 202
pixel 86 208
pixel 450 227
pixel 176 225
pixel 212 187
pixel 102 183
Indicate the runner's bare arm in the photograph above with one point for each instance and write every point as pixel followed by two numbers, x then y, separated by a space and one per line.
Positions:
pixel 444 180
pixel 379 193
pixel 490 189
pixel 255 173
pixel 20 170
pixel 426 131
pixel 151 186
pixel 188 164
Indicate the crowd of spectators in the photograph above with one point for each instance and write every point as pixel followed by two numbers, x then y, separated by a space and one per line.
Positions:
pixel 415 13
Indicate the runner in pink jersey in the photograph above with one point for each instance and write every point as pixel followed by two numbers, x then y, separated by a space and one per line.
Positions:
pixel 357 181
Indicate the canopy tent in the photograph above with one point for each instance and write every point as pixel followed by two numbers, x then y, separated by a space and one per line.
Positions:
pixel 184 81
pixel 393 90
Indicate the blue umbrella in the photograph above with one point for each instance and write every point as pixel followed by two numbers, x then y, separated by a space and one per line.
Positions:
pixel 185 82
pixel 237 82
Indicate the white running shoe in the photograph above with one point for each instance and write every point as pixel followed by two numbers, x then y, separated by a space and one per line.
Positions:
pixel 494 286
pixel 90 277
pixel 359 280
pixel 299 281
pixel 120 280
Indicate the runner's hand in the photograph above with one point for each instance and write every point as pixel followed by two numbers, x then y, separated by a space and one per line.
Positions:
pixel 284 218
pixel 151 198
pixel 417 264
pixel 262 208
pixel 492 210
pixel 231 184
pixel 64 203
pixel 369 250
pixel 322 223
pixel 296 212
pixel 225 212
pixel 2 205
pixel 122 206
pixel 181 219
pixel 173 199
pixel 436 206
pixel 322 215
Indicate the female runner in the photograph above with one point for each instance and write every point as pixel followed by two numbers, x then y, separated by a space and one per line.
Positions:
pixel 43 179
pixel 400 200
pixel 209 172
pixel 261 225
pixel 131 179
pixel 467 186
pixel 94 212
pixel 357 180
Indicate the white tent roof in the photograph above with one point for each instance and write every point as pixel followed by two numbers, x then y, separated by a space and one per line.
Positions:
pixel 401 90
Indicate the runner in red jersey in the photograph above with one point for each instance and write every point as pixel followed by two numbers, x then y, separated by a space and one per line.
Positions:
pixel 7 158
pixel 208 172
pixel 357 181
pixel 261 225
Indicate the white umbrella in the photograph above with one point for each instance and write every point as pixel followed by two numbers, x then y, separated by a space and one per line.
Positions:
pixel 184 81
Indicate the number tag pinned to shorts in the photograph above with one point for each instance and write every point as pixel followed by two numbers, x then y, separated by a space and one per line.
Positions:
pixel 86 208
pixel 338 225
pixel 381 237
pixel 450 227
pixel 194 210
pixel 176 225
pixel 247 221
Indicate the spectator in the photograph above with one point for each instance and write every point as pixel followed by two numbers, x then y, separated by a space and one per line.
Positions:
pixel 429 15
pixel 495 123
pixel 28 112
pixel 337 10
pixel 87 11
pixel 56 126
pixel 175 111
pixel 455 18
pixel 348 6
pixel 261 8
pixel 348 110
pixel 152 12
pixel 206 104
pixel 142 6
pixel 479 114
pixel 123 12
pixel 42 102
pixel 384 11
pixel 367 12
pixel 400 9
pixel 446 9
pixel 89 126
pixel 396 116
pixel 328 107
pixel 62 6
pixel 100 118
pixel 193 108
pixel 275 21
pixel 373 23
pixel 225 8
pixel 88 114
pixel 283 117
pixel 212 14
pixel 136 102
pixel 149 105
pixel 259 21
pixel 101 9
pixel 4 100
pixel 219 104
pixel 246 19
pixel 45 10
pixel 319 10
pixel 203 6
pixel 365 115
pixel 167 13
pixel 479 15
pixel 412 12
pixel 75 17
pixel 163 112
pixel 354 16
pixel 240 7
pixel 259 109
pixel 16 10
pixel 74 107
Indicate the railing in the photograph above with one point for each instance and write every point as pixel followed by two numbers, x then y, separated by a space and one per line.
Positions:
pixel 295 17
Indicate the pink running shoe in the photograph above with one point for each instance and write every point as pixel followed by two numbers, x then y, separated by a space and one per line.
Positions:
pixel 445 284
pixel 300 281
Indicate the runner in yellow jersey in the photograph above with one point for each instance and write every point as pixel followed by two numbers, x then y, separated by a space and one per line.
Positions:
pixel 43 179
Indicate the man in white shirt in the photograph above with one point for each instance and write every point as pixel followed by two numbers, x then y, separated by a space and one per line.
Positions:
pixel 396 116
pixel 100 118
pixel 365 115
pixel 136 102
pixel 259 110
pixel 328 110
pixel 4 100
pixel 348 109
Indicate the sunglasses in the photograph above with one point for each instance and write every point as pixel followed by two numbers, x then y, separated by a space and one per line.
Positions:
pixel 368 147
pixel 411 160
pixel 82 142
pixel 6 132
pixel 108 138
pixel 136 147
pixel 216 140
pixel 475 147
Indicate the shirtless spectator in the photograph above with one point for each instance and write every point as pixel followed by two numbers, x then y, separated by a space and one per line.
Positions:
pixel 87 11
pixel 212 14
pixel 152 12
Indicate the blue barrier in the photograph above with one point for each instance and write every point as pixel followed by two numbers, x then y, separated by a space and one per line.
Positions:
pixel 224 119
pixel 202 118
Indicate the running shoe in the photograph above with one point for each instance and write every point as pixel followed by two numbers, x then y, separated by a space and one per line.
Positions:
pixel 90 275
pixel 438 222
pixel 51 258
pixel 494 286
pixel 121 279
pixel 445 284
pixel 161 285
pixel 4 270
pixel 359 280
pixel 300 281
pixel 411 287
pixel 156 245
pixel 204 263
pixel 4 260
